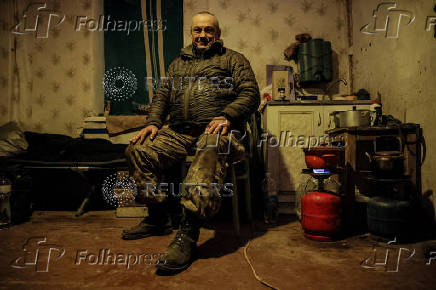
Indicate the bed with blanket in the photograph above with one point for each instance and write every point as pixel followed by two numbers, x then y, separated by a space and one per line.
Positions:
pixel 49 158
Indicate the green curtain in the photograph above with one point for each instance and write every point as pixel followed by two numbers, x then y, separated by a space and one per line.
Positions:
pixel 145 52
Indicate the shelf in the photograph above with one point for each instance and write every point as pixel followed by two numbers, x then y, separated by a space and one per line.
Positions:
pixel 318 103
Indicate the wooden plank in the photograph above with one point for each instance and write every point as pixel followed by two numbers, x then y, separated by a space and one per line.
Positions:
pixel 132 212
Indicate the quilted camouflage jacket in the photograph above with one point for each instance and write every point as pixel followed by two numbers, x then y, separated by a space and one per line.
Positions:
pixel 218 82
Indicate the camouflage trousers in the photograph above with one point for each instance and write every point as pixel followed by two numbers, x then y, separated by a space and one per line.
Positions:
pixel 200 192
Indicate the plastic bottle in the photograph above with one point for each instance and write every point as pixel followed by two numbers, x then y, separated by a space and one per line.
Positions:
pixel 271 199
pixel 5 207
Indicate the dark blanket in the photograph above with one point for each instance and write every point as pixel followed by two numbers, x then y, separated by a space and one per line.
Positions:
pixel 55 147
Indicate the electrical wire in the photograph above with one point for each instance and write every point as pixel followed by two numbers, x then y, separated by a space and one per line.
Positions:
pixel 258 278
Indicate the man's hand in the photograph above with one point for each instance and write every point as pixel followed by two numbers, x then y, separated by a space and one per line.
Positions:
pixel 218 125
pixel 151 129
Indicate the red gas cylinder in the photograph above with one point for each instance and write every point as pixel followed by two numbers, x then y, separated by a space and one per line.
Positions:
pixel 320 215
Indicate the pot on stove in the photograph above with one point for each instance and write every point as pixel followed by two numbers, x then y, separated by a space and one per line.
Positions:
pixel 351 118
pixel 322 157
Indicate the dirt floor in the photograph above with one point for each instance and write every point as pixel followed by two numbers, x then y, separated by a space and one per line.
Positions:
pixel 57 250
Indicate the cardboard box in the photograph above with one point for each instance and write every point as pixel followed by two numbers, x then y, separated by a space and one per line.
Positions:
pixel 280 85
pixel 281 79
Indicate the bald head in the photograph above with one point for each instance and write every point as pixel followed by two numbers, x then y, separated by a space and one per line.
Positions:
pixel 205 16
pixel 204 30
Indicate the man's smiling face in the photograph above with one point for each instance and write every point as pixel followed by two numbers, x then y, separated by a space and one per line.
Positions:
pixel 204 31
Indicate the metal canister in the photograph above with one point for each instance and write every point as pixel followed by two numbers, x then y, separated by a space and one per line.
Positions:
pixel 389 218
pixel 321 216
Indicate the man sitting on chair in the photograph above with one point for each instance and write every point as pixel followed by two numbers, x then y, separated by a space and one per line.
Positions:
pixel 210 92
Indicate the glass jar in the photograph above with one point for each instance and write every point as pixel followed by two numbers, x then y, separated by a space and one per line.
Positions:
pixel 5 206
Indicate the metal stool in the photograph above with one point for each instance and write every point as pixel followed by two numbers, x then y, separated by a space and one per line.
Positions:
pixel 245 175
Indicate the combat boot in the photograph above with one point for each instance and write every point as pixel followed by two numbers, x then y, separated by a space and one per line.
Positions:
pixel 182 250
pixel 157 223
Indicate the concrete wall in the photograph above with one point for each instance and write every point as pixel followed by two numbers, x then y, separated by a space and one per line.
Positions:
pixel 399 69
